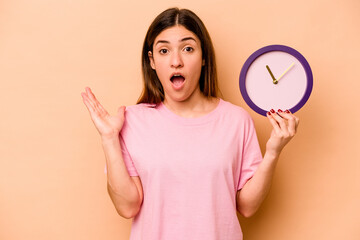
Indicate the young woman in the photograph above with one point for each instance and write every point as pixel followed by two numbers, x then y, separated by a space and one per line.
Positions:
pixel 183 160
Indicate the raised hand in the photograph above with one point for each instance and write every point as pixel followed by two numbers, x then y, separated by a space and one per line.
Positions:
pixel 284 129
pixel 108 126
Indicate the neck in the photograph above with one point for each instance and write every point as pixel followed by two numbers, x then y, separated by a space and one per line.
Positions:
pixel 194 106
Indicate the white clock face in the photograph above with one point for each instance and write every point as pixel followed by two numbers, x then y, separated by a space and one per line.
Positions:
pixel 289 74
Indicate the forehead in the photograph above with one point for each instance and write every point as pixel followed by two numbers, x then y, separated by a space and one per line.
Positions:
pixel 175 34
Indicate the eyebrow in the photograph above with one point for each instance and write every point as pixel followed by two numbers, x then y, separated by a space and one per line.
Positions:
pixel 182 40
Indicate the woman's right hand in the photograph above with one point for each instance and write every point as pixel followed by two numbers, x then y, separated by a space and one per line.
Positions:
pixel 108 126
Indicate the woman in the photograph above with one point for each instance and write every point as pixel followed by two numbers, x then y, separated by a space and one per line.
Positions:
pixel 183 160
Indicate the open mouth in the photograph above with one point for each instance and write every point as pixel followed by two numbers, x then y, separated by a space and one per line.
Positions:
pixel 177 80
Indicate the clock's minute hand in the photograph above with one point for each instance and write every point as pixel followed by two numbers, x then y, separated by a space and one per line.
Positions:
pixel 272 76
pixel 286 71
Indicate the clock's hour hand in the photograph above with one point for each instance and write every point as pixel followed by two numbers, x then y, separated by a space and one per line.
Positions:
pixel 272 76
pixel 286 71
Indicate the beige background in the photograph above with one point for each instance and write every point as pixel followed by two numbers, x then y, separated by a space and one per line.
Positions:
pixel 52 184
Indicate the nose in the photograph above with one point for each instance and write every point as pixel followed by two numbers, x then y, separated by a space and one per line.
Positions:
pixel 176 60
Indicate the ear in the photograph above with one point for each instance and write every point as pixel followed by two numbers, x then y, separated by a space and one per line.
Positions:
pixel 152 63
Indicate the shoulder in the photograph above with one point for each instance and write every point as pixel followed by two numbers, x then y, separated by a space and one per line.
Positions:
pixel 139 113
pixel 138 117
pixel 239 118
pixel 141 108
pixel 234 111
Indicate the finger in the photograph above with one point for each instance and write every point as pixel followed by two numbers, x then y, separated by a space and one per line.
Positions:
pixel 121 111
pixel 96 103
pixel 293 121
pixel 102 109
pixel 93 110
pixel 90 94
pixel 87 100
pixel 86 95
pixel 88 103
pixel 273 122
pixel 297 120
pixel 280 120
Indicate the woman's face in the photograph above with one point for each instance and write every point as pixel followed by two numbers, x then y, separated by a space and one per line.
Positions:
pixel 177 60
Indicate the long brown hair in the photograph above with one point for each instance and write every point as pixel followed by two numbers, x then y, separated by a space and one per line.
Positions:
pixel 153 91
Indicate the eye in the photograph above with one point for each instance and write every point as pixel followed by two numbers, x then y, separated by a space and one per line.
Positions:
pixel 163 51
pixel 189 49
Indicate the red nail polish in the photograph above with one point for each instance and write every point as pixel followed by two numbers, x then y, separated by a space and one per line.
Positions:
pixel 280 110
pixel 268 113
pixel 287 111
pixel 272 110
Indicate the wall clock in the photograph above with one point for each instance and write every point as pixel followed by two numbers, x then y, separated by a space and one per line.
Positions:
pixel 276 77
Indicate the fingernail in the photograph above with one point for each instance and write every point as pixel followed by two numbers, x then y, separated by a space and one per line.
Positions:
pixel 287 111
pixel 280 110
pixel 272 110
pixel 268 113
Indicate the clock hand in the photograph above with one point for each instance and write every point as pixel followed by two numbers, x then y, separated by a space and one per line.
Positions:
pixel 286 71
pixel 272 76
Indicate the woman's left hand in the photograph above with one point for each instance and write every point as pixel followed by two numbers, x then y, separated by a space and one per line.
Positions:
pixel 284 129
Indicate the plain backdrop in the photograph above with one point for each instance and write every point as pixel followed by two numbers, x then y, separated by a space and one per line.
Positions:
pixel 52 184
